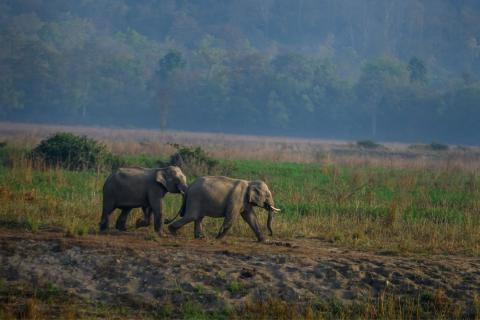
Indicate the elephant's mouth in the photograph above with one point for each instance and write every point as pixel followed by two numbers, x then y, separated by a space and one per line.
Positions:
pixel 182 189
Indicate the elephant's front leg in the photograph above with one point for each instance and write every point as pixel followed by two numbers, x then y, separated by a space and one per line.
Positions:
pixel 122 219
pixel 157 216
pixel 180 223
pixel 198 228
pixel 250 218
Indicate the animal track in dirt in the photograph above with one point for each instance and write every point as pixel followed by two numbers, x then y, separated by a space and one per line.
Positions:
pixel 125 268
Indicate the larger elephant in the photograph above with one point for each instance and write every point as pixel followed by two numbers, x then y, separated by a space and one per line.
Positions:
pixel 217 196
pixel 129 188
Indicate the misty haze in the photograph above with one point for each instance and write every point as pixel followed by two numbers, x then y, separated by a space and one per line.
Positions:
pixel 382 70
pixel 240 159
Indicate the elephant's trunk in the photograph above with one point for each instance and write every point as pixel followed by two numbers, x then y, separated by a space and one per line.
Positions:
pixel 180 212
pixel 269 222
pixel 167 221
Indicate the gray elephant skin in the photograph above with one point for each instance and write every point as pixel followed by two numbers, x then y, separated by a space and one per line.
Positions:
pixel 135 187
pixel 217 196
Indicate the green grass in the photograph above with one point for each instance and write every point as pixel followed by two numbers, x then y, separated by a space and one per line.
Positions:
pixel 399 209
pixel 235 287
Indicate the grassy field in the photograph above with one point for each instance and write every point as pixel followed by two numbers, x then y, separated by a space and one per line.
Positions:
pixel 396 201
pixel 396 209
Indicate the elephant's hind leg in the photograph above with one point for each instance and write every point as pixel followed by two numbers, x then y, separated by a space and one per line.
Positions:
pixel 106 211
pixel 197 233
pixel 147 214
pixel 122 219
pixel 227 224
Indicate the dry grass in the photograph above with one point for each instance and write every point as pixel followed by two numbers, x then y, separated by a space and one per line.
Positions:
pixel 242 147
pixel 386 306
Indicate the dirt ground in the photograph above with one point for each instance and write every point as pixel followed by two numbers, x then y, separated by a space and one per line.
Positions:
pixel 137 269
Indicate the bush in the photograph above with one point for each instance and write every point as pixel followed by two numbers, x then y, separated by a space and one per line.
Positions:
pixel 5 154
pixel 72 152
pixel 438 146
pixel 195 161
pixel 435 146
pixel 368 144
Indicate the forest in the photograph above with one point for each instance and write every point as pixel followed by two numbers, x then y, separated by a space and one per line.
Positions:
pixel 384 70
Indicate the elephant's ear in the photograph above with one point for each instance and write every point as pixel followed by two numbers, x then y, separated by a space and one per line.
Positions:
pixel 255 195
pixel 160 178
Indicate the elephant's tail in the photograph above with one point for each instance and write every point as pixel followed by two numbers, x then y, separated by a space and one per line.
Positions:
pixel 180 212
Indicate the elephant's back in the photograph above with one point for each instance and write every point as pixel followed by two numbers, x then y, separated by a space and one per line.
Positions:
pixel 128 178
pixel 132 171
pixel 217 181
pixel 214 192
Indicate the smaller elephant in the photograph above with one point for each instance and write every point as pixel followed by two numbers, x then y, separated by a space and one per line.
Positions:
pixel 217 196
pixel 129 188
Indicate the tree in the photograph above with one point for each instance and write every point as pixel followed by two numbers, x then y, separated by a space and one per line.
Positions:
pixel 165 79
pixel 418 70
pixel 377 86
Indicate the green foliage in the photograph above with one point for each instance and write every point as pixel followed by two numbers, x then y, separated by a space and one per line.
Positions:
pixel 192 310
pixel 48 293
pixel 172 61
pixel 418 70
pixel 235 287
pixel 7 153
pixel 436 146
pixel 193 160
pixel 368 144
pixel 72 152
pixel 239 81
pixel 32 223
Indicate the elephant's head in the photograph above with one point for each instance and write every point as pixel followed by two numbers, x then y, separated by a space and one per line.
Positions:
pixel 173 179
pixel 259 195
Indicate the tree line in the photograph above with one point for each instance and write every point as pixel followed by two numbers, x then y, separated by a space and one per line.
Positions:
pixel 189 66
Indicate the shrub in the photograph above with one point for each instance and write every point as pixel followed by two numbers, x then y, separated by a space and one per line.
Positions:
pixel 417 146
pixel 438 146
pixel 72 152
pixel 368 144
pixel 7 154
pixel 195 161
pixel 115 161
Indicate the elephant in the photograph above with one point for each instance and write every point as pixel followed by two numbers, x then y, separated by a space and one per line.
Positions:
pixel 146 220
pixel 218 196
pixel 133 187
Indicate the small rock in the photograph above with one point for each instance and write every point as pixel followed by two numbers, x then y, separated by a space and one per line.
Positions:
pixel 247 273
pixel 187 287
pixel 319 272
pixel 355 268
